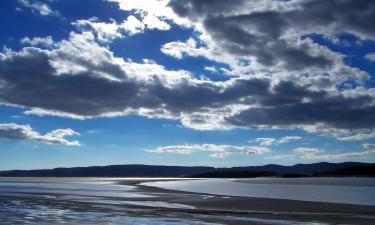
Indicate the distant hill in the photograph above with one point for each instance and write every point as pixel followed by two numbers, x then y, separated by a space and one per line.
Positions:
pixel 363 170
pixel 234 174
pixel 321 169
pixel 111 171
pixel 304 169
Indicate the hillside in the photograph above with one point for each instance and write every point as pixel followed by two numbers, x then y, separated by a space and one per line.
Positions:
pixel 321 169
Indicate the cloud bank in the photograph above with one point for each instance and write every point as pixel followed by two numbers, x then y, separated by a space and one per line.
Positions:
pixel 67 79
pixel 272 32
pixel 280 78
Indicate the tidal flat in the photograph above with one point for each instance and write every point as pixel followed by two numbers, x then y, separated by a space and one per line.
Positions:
pixel 144 201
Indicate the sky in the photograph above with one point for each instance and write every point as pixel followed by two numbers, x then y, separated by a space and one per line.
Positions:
pixel 186 82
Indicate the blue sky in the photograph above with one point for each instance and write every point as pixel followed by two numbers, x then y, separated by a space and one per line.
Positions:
pixel 214 83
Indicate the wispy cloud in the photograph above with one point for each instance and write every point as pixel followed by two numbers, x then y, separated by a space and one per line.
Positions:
pixel 15 132
pixel 320 154
pixel 368 146
pixel 370 56
pixel 219 151
pixel 38 41
pixel 280 157
pixel 107 32
pixel 313 153
pixel 274 141
pixel 39 7
pixel 359 136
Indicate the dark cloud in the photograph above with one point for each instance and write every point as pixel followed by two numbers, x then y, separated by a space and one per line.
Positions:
pixel 273 31
pixel 197 8
pixel 80 78
pixel 337 112
pixel 12 134
pixel 28 79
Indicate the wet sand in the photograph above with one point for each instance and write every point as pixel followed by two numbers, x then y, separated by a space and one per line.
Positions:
pixel 161 206
pixel 264 208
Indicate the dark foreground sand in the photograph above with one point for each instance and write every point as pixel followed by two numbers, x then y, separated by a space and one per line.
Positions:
pixel 263 208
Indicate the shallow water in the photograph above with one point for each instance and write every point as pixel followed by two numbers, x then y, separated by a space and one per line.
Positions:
pixel 21 212
pixel 102 201
pixel 360 191
pixel 78 201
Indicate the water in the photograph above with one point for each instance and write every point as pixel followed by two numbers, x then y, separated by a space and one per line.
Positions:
pixel 83 190
pixel 24 212
pixel 45 201
pixel 20 212
pixel 80 201
pixel 360 191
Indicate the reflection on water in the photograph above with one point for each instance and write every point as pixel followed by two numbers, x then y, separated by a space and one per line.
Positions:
pixel 101 201
pixel 273 222
pixel 359 191
pixel 109 190
pixel 138 203
pixel 79 201
pixel 20 212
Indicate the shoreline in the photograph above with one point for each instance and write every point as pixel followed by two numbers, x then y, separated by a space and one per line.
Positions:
pixel 294 210
pixel 287 204
pixel 164 204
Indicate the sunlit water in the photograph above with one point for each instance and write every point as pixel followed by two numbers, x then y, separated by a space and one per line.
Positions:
pixel 102 201
pixel 21 212
pixel 57 201
pixel 359 191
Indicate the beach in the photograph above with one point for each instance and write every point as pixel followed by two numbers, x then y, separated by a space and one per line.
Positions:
pixel 266 208
pixel 133 201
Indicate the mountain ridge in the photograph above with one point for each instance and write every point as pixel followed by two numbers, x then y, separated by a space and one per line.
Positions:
pixel 141 170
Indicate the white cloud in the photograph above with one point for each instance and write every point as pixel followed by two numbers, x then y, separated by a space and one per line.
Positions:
pixel 266 141
pixel 177 49
pixel 280 52
pixel 38 41
pixel 370 56
pixel 132 25
pixel 346 155
pixel 289 138
pixel 107 32
pixel 193 48
pixel 319 154
pixel 220 151
pixel 220 155
pixel 368 146
pixel 147 14
pixel 273 141
pixel 17 132
pixel 38 7
pixel 153 22
pixel 357 136
pixel 104 31
pixel 281 157
pixel 158 11
pixel 211 69
pixel 272 33
pixel 73 69
pixel 303 150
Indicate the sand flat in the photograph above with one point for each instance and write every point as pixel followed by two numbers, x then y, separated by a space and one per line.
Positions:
pixel 151 205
